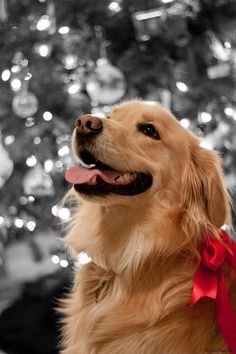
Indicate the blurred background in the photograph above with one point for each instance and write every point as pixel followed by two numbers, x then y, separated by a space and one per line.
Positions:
pixel 63 58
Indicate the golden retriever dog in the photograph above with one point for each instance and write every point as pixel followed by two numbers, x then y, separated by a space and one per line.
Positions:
pixel 148 193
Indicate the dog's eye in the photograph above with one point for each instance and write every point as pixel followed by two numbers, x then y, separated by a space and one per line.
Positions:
pixel 149 130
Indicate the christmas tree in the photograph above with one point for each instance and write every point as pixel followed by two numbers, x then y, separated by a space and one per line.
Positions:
pixel 60 59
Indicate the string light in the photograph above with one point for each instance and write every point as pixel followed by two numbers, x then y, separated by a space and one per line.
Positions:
pixel 31 161
pixel 15 84
pixel 185 123
pixel 227 45
pixel 73 88
pixel 43 23
pixel 55 259
pixel 6 75
pixel 19 223
pixel 28 76
pixel 47 116
pixel 31 225
pixel 9 139
pixel 64 30
pixel 83 258
pixel 206 144
pixel 64 213
pixel 37 140
pixel 15 69
pixel 64 150
pixel 54 210
pixel 230 112
pixel 70 61
pixel 64 263
pixel 182 86
pixel 48 165
pixel 44 50
pixel 204 117
pixel 114 6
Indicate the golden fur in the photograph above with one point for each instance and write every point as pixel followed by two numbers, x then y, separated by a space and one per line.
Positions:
pixel 134 297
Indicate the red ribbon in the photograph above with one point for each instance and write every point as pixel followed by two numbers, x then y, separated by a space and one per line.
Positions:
pixel 209 282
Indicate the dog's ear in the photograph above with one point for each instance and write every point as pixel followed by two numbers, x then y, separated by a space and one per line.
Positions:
pixel 205 195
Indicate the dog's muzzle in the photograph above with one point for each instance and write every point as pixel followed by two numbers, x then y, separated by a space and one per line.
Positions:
pixel 98 178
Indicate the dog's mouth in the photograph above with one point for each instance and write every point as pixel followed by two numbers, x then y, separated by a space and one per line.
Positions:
pixel 101 179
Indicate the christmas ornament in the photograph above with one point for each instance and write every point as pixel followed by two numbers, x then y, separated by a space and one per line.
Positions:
pixel 148 23
pixel 106 85
pixel 38 183
pixel 25 104
pixel 168 20
pixel 6 166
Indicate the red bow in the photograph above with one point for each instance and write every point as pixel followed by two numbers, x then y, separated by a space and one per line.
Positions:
pixel 209 282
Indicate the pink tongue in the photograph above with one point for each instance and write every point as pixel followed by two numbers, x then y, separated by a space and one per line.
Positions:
pixel 79 175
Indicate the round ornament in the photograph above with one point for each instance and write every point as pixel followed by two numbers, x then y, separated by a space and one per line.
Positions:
pixel 25 104
pixel 38 183
pixel 6 167
pixel 106 85
pixel 70 61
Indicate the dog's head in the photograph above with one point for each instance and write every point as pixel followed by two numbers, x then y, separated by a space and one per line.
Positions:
pixel 141 156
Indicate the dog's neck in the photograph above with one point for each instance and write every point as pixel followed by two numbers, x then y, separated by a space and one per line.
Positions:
pixel 120 238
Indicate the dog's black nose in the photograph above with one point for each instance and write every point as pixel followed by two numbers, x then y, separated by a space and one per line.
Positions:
pixel 87 124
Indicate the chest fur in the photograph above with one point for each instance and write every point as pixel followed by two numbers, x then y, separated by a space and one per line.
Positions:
pixel 104 315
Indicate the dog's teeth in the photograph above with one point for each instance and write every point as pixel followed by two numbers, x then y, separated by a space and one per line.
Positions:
pixel 93 180
pixel 126 178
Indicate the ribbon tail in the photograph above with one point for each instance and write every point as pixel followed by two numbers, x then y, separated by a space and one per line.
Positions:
pixel 226 315
pixel 205 284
